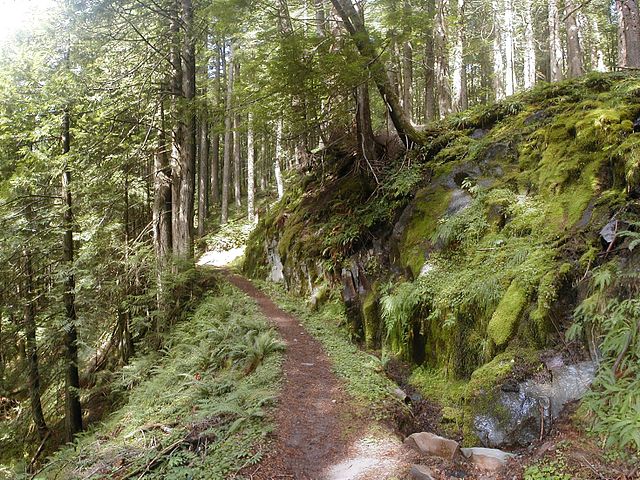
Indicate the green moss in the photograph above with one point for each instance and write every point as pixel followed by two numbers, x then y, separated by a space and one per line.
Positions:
pixel 371 318
pixel 430 205
pixel 504 320
pixel 547 295
pixel 436 385
pixel 489 375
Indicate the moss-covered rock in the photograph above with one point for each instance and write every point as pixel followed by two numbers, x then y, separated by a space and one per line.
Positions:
pixel 429 206
pixel 371 319
pixel 504 320
pixel 545 172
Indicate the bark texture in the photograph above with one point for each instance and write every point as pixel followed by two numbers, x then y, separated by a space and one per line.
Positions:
pixel 183 177
pixel 31 346
pixel 574 49
pixel 73 409
pixel 555 43
pixel 628 34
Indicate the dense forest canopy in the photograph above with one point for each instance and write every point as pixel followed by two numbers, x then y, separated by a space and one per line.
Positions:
pixel 129 129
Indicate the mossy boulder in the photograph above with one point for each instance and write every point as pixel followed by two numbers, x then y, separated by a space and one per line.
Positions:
pixel 504 320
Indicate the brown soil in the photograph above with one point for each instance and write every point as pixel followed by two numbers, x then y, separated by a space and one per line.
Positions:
pixel 312 407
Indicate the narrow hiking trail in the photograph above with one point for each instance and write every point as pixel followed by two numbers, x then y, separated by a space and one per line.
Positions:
pixel 319 434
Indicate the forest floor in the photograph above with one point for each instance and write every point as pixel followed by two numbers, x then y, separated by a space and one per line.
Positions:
pixel 320 433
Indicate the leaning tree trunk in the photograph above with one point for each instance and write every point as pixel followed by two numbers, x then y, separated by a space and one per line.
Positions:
pixel 228 139
pixel 574 49
pixel 628 34
pixel 355 26
pixel 31 346
pixel 73 409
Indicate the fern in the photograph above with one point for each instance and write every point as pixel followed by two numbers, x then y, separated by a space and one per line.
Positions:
pixel 398 309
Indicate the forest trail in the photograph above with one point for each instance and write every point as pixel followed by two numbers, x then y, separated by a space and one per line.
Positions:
pixel 318 435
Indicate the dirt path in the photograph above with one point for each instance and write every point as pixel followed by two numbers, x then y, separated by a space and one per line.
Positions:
pixel 318 434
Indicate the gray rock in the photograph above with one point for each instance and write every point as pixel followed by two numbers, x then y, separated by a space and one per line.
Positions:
pixel 608 232
pixel 479 133
pixel 497 151
pixel 420 472
pixel 460 199
pixel 277 269
pixel 518 413
pixel 487 458
pixel 431 444
pixel 536 117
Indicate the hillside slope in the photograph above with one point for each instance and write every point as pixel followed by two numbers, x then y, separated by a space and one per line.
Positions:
pixel 469 256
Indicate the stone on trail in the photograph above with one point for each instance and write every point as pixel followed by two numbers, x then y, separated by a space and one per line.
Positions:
pixel 431 444
pixel 420 472
pixel 487 458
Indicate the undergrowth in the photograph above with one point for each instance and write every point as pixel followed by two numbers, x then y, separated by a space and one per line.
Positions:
pixel 610 318
pixel 196 410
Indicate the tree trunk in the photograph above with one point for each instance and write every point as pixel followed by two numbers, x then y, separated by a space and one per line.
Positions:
pixel 407 63
pixel 364 131
pixel 237 160
pixel 442 58
pixel 597 54
pixel 162 209
pixel 203 177
pixel 228 139
pixel 574 49
pixel 31 344
pixel 183 176
pixel 355 26
pixel 251 181
pixel 215 166
pixel 264 167
pixel 321 18
pixel 73 409
pixel 555 44
pixel 460 100
pixel 278 159
pixel 628 34
pixel 509 70
pixel 429 66
pixel 529 73
pixel 215 137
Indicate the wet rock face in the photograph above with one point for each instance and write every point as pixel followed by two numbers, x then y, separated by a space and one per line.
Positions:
pixel 520 413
